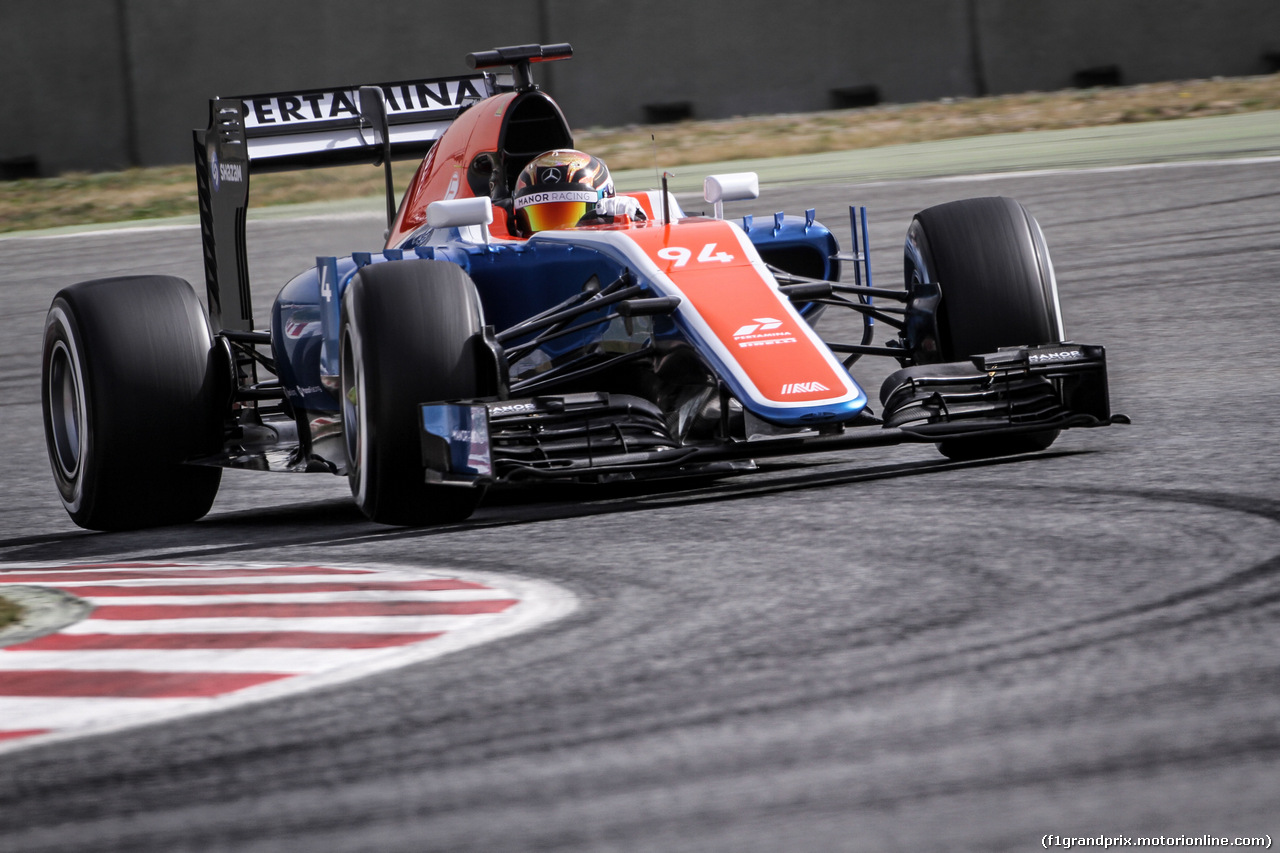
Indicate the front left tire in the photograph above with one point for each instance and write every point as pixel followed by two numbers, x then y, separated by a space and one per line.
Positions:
pixel 412 333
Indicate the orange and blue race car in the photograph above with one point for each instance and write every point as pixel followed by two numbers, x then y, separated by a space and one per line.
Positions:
pixel 524 322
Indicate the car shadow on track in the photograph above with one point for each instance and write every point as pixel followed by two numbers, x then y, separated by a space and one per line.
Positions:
pixel 338 521
pixel 300 523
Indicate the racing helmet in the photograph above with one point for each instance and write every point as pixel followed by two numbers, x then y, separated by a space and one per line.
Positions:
pixel 557 189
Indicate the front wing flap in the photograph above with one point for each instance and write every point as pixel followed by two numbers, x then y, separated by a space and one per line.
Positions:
pixel 1020 389
pixel 596 435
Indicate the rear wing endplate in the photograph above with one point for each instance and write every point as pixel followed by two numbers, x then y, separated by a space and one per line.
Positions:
pixel 303 130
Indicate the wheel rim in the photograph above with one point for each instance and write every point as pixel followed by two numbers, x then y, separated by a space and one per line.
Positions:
pixel 353 413
pixel 66 411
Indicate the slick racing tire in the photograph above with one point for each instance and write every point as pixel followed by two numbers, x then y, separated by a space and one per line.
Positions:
pixel 129 391
pixel 411 334
pixel 989 257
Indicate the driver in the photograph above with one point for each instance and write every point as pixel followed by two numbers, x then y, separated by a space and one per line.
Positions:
pixel 564 188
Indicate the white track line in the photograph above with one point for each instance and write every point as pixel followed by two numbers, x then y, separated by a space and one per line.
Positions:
pixel 81 716
pixel 239 624
pixel 980 177
pixel 173 579
pixel 275 216
pixel 189 660
pixel 299 597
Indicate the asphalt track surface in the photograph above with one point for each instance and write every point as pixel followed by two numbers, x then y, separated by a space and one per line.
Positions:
pixel 868 650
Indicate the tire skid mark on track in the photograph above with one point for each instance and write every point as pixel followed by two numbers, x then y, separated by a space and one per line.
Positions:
pixel 1157 615
pixel 1180 208
pixel 130 662
pixel 916 673
pixel 1163 615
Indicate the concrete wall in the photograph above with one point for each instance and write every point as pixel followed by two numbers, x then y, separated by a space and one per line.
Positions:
pixel 1035 45
pixel 63 85
pixel 110 83
pixel 755 56
pixel 188 50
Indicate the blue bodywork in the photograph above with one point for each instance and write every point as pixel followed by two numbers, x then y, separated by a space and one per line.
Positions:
pixel 515 281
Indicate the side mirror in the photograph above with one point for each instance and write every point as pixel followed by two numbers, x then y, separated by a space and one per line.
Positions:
pixel 740 186
pixel 461 212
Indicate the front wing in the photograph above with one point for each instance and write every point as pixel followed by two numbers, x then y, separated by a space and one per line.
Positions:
pixel 602 436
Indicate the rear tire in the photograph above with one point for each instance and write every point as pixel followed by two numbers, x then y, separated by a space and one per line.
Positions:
pixel 411 334
pixel 128 393
pixel 989 257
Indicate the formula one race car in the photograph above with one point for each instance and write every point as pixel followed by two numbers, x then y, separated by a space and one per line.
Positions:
pixel 524 323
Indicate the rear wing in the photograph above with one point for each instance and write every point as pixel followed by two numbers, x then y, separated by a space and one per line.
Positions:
pixel 302 130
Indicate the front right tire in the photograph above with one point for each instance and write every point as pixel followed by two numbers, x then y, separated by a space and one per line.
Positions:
pixel 129 393
pixel 988 256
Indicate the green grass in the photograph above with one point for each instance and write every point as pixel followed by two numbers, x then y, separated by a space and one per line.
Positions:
pixel 166 191
pixel 10 612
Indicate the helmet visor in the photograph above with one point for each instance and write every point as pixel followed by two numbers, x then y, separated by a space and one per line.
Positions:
pixel 544 211
pixel 556 214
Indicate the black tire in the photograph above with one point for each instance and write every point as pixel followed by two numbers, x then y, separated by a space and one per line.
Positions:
pixel 989 257
pixel 411 334
pixel 129 391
